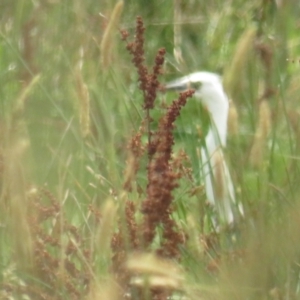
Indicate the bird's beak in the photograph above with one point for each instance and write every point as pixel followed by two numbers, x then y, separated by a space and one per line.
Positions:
pixel 178 85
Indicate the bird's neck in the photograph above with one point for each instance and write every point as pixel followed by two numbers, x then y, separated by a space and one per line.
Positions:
pixel 217 133
pixel 218 127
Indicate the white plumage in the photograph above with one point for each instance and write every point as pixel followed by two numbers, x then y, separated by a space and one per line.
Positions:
pixel 218 184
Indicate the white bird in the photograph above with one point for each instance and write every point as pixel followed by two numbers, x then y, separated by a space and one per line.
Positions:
pixel 218 184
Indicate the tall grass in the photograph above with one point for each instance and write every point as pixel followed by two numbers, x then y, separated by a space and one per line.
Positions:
pixel 101 196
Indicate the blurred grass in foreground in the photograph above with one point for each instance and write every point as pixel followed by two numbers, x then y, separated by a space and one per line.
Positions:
pixel 70 106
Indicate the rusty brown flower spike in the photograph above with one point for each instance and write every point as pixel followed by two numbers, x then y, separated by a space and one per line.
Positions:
pixel 162 175
pixel 148 81
pixel 57 245
pixel 136 49
pixel 162 180
pixel 136 150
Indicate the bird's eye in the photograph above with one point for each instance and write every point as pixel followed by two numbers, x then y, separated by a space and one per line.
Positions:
pixel 195 85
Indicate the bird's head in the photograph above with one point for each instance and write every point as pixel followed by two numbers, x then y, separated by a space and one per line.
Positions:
pixel 208 88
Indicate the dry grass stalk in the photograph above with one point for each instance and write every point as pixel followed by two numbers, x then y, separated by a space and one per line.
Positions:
pixel 20 102
pixel 233 119
pixel 261 135
pixel 177 32
pixel 266 55
pixel 14 189
pixel 232 77
pixel 294 119
pixel 107 289
pixel 29 50
pixel 149 271
pixel 84 105
pixel 106 228
pixel 149 263
pixel 220 180
pixel 15 143
pixel 107 39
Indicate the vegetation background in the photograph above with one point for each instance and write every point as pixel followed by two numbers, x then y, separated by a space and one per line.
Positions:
pixel 69 106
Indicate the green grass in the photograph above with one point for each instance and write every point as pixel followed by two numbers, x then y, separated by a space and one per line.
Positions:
pixel 43 149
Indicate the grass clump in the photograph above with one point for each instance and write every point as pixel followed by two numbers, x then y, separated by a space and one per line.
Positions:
pixel 99 170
